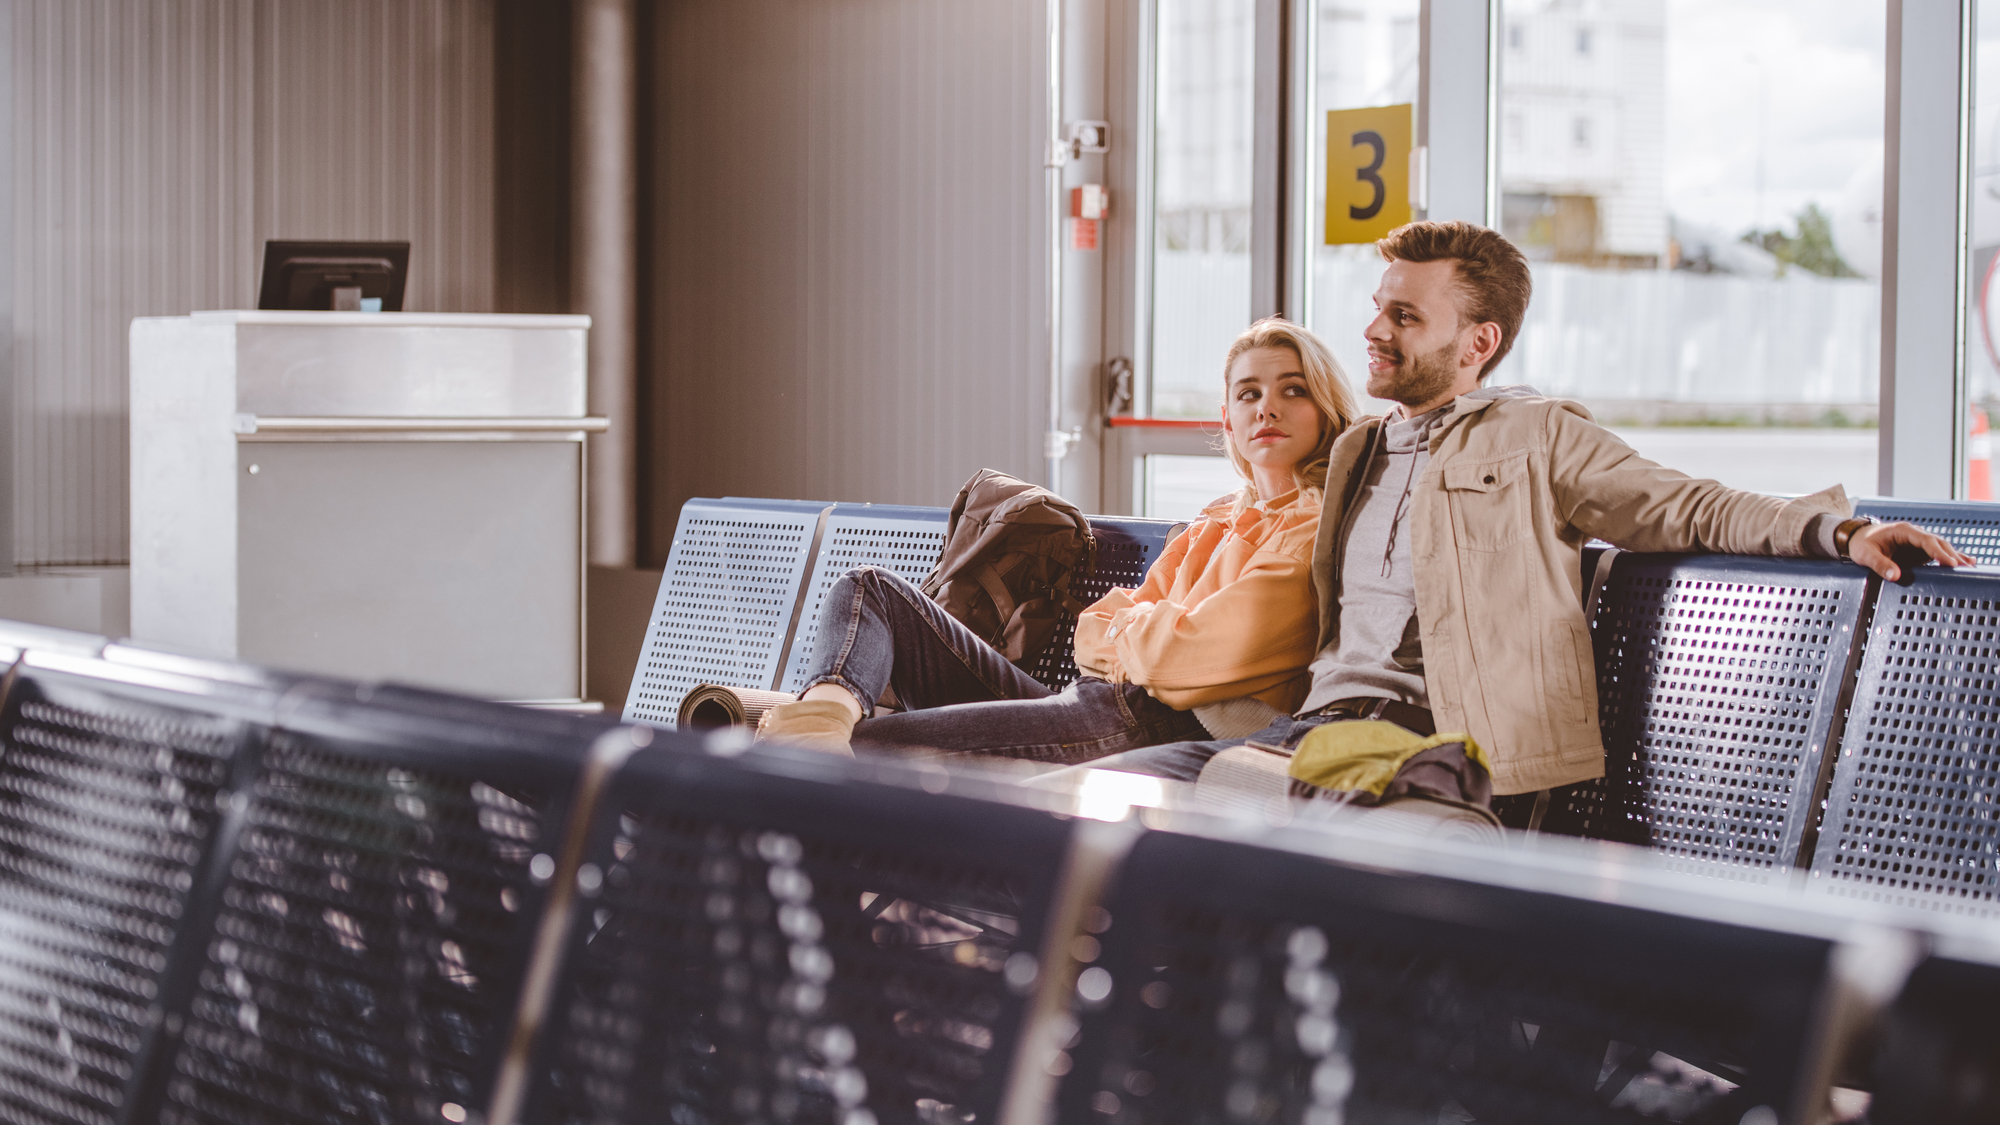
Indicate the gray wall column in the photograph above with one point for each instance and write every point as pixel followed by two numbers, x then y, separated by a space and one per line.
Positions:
pixel 1270 243
pixel 7 272
pixel 1924 200
pixel 849 213
pixel 604 265
pixel 1083 350
pixel 1457 58
pixel 1128 170
pixel 1302 109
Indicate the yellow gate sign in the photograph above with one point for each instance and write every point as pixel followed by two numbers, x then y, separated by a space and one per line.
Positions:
pixel 1367 172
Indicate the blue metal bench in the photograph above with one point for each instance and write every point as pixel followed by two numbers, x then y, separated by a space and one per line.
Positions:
pixel 740 600
pixel 1913 816
pixel 236 896
pixel 1126 548
pixel 903 540
pixel 1973 526
pixel 777 939
pixel 1295 979
pixel 114 781
pixel 1719 684
pixel 1939 1058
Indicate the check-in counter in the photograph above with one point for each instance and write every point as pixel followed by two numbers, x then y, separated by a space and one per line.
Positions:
pixel 369 495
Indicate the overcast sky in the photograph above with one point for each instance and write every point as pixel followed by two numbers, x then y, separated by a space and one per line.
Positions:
pixel 1806 77
pixel 1797 82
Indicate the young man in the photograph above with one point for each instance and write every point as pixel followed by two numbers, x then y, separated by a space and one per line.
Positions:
pixel 1448 564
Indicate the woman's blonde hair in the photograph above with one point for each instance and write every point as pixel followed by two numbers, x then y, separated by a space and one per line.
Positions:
pixel 1326 383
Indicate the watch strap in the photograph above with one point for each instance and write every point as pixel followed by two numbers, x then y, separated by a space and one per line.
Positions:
pixel 1843 533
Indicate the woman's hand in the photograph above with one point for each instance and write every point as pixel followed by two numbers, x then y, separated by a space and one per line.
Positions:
pixel 1875 547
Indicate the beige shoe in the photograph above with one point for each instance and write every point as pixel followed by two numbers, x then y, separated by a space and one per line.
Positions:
pixel 817 724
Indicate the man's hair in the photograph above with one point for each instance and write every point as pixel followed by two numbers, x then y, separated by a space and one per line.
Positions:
pixel 1492 275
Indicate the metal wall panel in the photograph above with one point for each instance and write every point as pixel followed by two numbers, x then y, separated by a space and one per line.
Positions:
pixel 156 143
pixel 375 121
pixel 531 155
pixel 848 250
pixel 132 198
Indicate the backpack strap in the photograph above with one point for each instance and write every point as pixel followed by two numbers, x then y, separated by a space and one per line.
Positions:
pixel 1003 601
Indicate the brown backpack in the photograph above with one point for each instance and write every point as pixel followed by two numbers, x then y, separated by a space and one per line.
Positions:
pixel 1010 553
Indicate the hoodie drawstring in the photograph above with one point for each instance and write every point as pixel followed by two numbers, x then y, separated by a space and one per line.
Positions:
pixel 1402 506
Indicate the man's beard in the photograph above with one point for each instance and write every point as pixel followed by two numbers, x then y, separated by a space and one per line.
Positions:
pixel 1418 379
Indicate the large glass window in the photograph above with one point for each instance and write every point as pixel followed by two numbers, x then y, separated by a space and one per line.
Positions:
pixel 1177 486
pixel 1698 185
pixel 1365 55
pixel 1203 113
pixel 1982 330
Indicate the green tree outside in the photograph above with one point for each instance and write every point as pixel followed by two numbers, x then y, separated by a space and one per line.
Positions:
pixel 1810 249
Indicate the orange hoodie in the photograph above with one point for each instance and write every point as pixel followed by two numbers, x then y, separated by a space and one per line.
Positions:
pixel 1227 611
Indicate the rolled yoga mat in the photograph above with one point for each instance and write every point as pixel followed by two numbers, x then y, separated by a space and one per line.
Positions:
pixel 711 705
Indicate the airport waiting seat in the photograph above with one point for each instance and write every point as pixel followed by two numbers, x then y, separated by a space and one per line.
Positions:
pixel 374 909
pixel 1938 1061
pixel 1287 980
pixel 235 896
pixel 115 784
pixel 1719 688
pixel 1973 526
pixel 740 599
pixel 903 540
pixel 1911 815
pixel 782 938
pixel 724 613
pixel 1126 548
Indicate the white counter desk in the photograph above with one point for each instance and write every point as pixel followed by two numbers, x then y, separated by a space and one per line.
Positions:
pixel 369 495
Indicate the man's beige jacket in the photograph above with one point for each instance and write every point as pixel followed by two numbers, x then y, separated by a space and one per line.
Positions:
pixel 1514 488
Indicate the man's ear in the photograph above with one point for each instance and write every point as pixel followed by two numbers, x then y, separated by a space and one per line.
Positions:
pixel 1485 341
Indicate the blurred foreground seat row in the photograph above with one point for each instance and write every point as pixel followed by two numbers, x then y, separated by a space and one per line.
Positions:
pixel 233 896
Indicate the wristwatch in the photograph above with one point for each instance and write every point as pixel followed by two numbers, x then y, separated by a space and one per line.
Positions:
pixel 1843 533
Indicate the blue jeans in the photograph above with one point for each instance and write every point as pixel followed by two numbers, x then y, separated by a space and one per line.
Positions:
pixel 1182 761
pixel 960 695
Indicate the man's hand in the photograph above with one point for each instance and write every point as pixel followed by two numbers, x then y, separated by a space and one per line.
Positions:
pixel 1876 545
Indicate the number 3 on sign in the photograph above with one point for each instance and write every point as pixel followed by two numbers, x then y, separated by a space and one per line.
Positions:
pixel 1367 172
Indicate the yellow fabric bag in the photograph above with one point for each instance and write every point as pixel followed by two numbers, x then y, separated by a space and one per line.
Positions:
pixel 1362 758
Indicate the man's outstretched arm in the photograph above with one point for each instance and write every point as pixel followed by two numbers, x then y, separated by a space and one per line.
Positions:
pixel 1607 490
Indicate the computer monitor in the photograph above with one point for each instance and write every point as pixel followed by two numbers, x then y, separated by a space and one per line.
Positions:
pixel 334 276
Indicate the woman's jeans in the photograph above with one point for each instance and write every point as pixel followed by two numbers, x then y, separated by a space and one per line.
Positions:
pixel 960 695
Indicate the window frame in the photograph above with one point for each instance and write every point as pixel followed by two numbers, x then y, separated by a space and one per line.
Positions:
pixel 1926 209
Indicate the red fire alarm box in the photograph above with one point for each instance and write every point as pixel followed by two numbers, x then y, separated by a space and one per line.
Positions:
pixel 1087 205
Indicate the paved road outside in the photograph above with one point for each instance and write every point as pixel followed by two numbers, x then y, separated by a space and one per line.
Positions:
pixel 1784 460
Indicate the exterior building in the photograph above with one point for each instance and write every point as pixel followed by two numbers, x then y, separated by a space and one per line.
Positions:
pixel 1582 131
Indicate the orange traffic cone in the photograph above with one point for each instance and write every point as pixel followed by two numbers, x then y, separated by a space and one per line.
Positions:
pixel 1979 459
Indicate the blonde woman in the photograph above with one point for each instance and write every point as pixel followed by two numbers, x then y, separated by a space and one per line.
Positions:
pixel 1212 644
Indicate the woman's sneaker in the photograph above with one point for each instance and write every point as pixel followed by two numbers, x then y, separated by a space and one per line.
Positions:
pixel 817 724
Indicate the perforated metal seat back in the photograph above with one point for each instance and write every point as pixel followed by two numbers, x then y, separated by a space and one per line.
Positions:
pixel 1910 817
pixel 1238 984
pixel 725 603
pixel 767 947
pixel 904 541
pixel 1718 681
pixel 1973 526
pixel 1126 549
pixel 379 908
pixel 110 788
